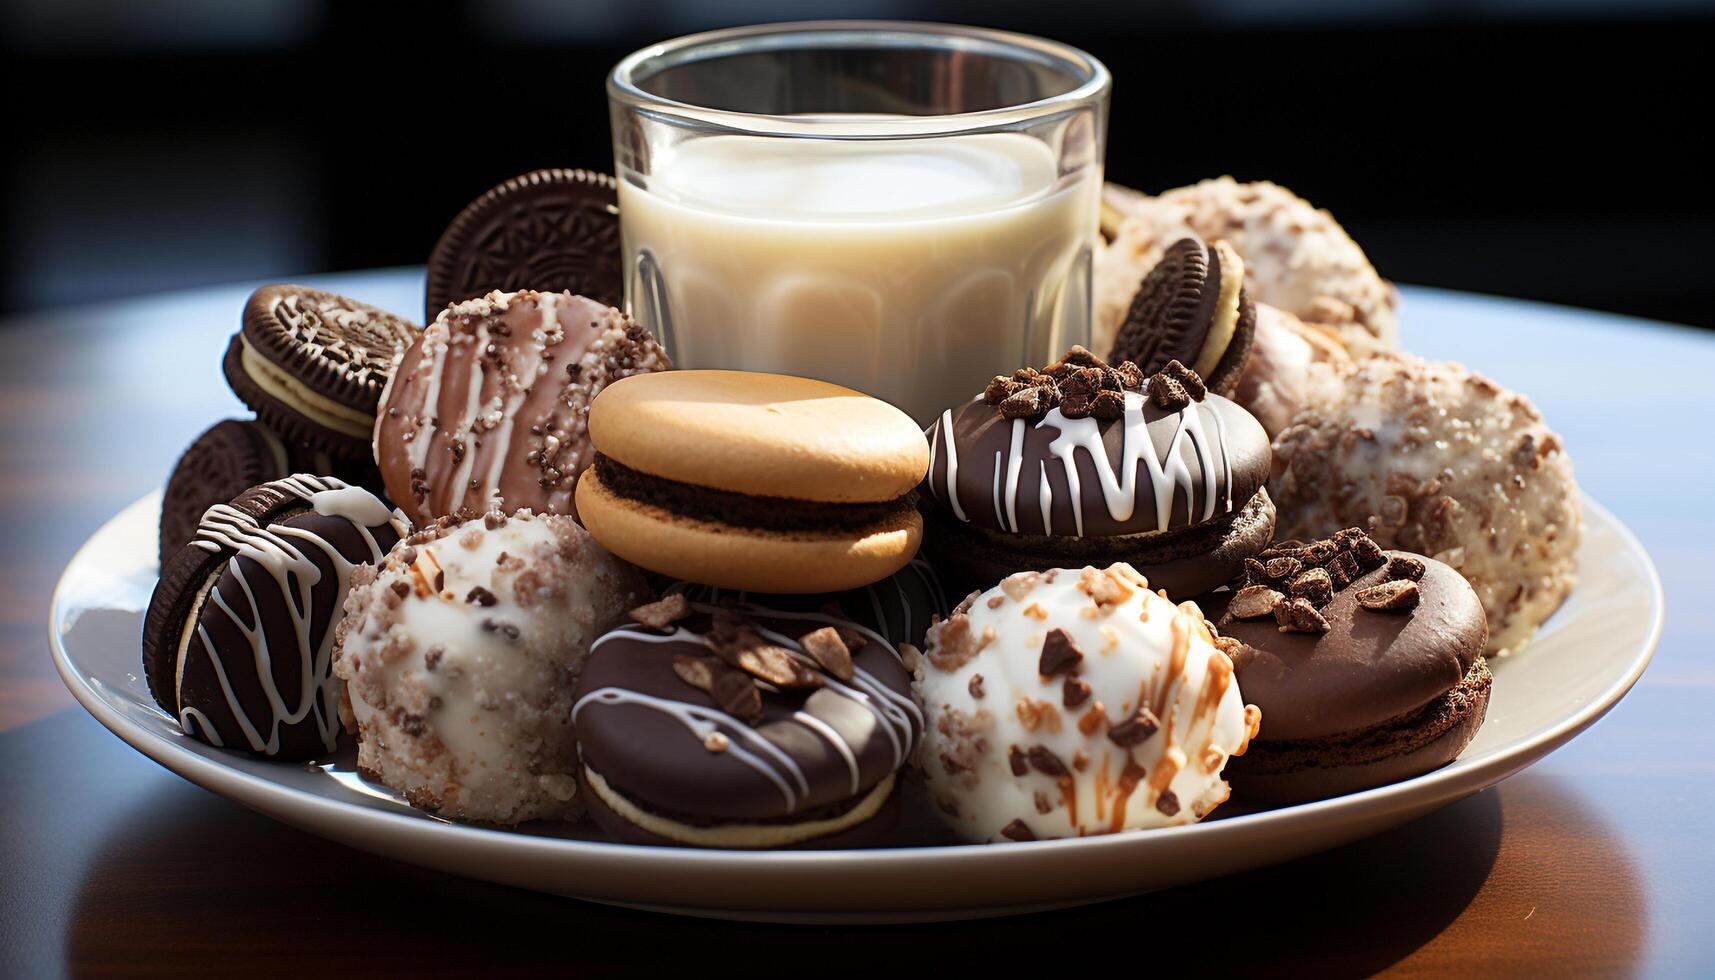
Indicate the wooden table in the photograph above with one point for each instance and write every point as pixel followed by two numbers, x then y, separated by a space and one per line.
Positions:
pixel 1600 859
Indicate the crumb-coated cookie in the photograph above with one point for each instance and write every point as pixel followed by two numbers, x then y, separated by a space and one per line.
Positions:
pixel 1086 463
pixel 1367 664
pixel 239 634
pixel 744 726
pixel 1435 459
pixel 1297 257
pixel 312 365
pixel 761 482
pixel 489 409
pixel 459 652
pixel 1290 365
pixel 229 458
pixel 1075 702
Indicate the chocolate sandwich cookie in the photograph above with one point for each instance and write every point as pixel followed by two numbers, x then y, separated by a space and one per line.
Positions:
pixel 549 230
pixel 230 458
pixel 312 365
pixel 760 482
pixel 487 409
pixel 1192 308
pixel 238 638
pixel 901 607
pixel 1087 463
pixel 744 727
pixel 1367 664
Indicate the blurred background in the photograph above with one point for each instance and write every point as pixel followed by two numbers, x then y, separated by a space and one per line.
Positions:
pixel 1541 149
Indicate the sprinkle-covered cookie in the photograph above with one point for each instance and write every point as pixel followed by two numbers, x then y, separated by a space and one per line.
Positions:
pixel 312 365
pixel 238 638
pixel 551 230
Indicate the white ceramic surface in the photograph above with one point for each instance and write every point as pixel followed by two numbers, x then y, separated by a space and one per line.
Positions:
pixel 1584 660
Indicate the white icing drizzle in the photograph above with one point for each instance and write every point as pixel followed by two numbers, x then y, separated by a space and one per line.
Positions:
pixel 547 305
pixel 1045 496
pixel 473 402
pixel 273 549
pixel 952 465
pixel 436 343
pixel 1014 460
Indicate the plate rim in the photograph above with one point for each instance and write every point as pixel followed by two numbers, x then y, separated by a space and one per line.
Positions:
pixel 239 786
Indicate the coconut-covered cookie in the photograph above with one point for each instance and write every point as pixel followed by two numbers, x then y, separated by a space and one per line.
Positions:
pixel 1074 702
pixel 1435 459
pixel 1296 257
pixel 459 654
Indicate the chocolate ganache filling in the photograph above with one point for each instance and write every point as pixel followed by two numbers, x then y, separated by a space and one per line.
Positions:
pixel 767 513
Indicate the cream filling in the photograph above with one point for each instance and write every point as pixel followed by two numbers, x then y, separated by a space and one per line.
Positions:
pixel 738 835
pixel 317 407
pixel 1226 319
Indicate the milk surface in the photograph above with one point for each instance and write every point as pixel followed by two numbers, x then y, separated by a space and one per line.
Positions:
pixel 914 270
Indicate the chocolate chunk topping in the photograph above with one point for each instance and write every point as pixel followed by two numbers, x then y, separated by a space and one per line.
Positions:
pixel 1283 569
pixel 1046 762
pixel 1167 803
pixel 1074 692
pixel 1026 404
pixel 1135 730
pixel 481 596
pixel 732 690
pixel 1059 654
pixel 1313 585
pixel 662 613
pixel 1299 616
pixel 1016 759
pixel 1108 405
pixel 1344 570
pixel 1188 379
pixel 1391 596
pixel 829 651
pixel 1017 831
pixel 975 686
pixel 736 641
pixel 1253 602
pixel 1404 567
pixel 1168 394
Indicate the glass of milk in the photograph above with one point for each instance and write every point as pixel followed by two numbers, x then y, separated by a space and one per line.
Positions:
pixel 906 209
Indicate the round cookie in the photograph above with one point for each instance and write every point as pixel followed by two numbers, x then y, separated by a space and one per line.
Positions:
pixel 459 653
pixel 312 364
pixel 744 727
pixel 901 607
pixel 550 230
pixel 488 409
pixel 263 586
pixel 1297 257
pixel 1191 308
pixel 231 457
pixel 1362 679
pixel 1435 459
pixel 1038 474
pixel 1076 702
pixel 760 482
pixel 1291 365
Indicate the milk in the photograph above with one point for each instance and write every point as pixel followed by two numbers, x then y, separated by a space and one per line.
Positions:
pixel 914 270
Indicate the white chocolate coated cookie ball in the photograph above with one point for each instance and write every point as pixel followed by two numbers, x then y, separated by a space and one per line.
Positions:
pixel 1076 702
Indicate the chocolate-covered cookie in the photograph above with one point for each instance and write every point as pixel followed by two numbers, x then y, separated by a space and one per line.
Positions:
pixel 743 727
pixel 901 607
pixel 550 230
pixel 1086 463
pixel 238 638
pixel 1367 664
pixel 1192 307
pixel 312 365
pixel 230 458
pixel 489 409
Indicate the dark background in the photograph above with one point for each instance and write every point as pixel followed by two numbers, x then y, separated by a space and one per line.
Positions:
pixel 1542 149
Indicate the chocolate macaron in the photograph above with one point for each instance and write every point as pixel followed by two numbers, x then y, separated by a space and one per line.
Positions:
pixel 1090 464
pixel 551 230
pixel 744 727
pixel 1192 308
pixel 230 458
pixel 1367 664
pixel 487 410
pixel 761 482
pixel 238 638
pixel 312 364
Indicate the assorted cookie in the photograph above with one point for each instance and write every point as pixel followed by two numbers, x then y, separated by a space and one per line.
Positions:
pixel 1076 702
pixel 489 408
pixel 459 652
pixel 761 482
pixel 239 634
pixel 1192 308
pixel 1089 463
pixel 312 365
pixel 742 726
pixel 1367 664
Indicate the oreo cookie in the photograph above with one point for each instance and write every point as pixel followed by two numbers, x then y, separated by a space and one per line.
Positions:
pixel 313 364
pixel 238 638
pixel 1192 307
pixel 230 458
pixel 548 230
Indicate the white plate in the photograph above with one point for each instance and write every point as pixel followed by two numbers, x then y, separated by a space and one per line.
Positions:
pixel 1585 659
